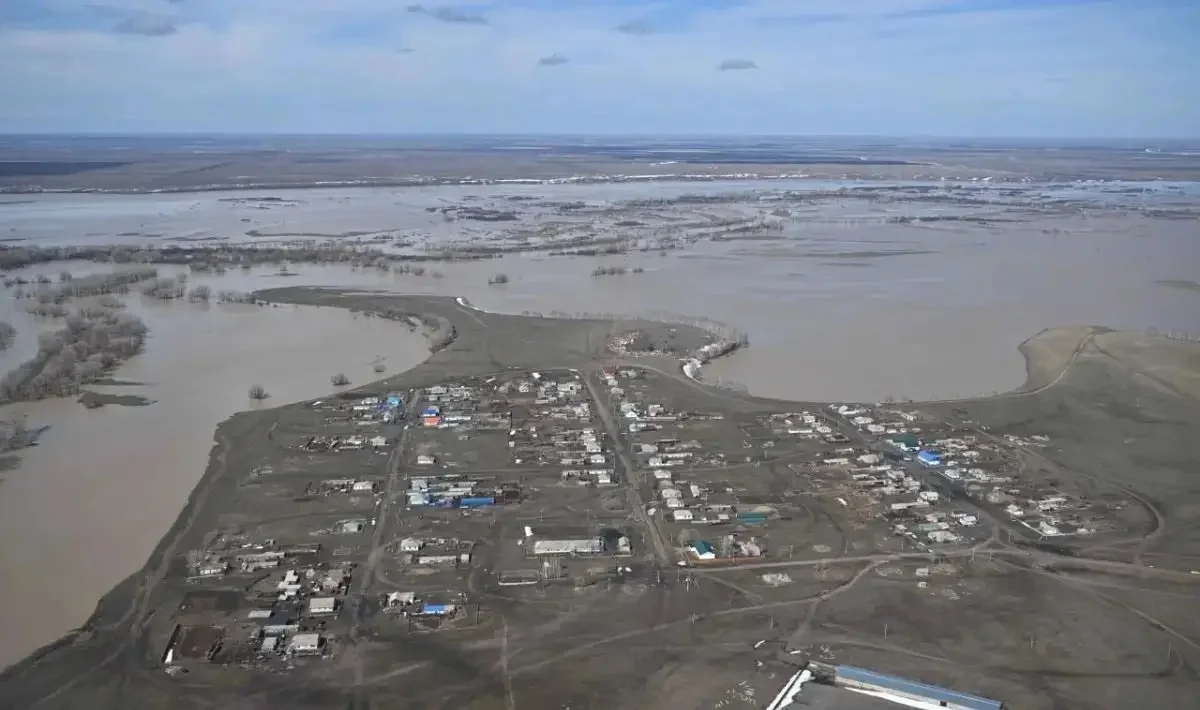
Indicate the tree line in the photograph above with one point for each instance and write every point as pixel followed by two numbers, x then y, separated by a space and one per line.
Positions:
pixel 93 342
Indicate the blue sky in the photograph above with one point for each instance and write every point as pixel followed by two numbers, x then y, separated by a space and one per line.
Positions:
pixel 1069 68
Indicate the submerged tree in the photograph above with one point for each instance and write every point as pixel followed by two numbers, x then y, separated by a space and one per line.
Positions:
pixel 258 392
pixel 7 335
pixel 498 279
pixel 340 380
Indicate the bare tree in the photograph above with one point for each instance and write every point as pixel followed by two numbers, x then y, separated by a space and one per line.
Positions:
pixel 64 276
pixel 14 434
pixel 200 293
pixel 258 392
pixel 93 342
pixel 7 335
pixel 340 380
pixel 380 367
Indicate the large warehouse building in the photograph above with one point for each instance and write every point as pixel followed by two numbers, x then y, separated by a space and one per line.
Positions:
pixel 884 685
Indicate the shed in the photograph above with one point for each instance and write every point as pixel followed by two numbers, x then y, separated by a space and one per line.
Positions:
pixel 363 486
pixel 929 458
pixel 862 679
pixel 318 606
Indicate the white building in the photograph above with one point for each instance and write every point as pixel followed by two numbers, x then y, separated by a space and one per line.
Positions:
pixel 363 487
pixel 305 644
pixel 681 515
pixel 584 546
pixel 318 606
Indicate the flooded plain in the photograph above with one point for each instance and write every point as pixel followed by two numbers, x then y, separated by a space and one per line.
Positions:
pixel 85 508
pixel 849 299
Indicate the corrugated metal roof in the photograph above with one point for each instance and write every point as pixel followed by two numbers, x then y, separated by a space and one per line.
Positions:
pixel 912 687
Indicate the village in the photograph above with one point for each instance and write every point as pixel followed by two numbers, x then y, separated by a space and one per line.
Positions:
pixel 423 509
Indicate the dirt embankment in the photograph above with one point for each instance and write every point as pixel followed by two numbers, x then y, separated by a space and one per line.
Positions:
pixel 1049 353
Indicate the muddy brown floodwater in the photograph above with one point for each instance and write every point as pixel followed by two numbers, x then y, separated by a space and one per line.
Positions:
pixel 839 306
pixel 86 507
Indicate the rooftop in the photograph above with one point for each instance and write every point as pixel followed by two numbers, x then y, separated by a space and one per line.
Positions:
pixel 911 687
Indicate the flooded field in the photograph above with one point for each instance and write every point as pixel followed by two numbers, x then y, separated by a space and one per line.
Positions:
pixel 85 508
pixel 848 289
pixel 844 297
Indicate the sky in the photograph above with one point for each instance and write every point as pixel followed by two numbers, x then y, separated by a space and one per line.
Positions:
pixel 970 68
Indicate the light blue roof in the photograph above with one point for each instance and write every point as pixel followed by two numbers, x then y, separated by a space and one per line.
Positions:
pixel 914 688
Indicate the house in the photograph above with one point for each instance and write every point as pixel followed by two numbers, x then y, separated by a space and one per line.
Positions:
pixel 703 550
pixel 278 624
pixel 318 606
pixel 929 458
pixel 410 544
pixel 585 546
pixel 363 487
pixel 395 599
pixel 905 442
pixel 1051 503
pixel 681 515
pixel 966 519
pixel 305 644
pixel 425 460
pixel 752 517
pixel 436 559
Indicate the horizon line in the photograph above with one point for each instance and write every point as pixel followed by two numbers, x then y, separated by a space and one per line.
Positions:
pixel 417 134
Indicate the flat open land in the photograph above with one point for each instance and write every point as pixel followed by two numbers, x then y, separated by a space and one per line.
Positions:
pixel 531 519
pixel 187 163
